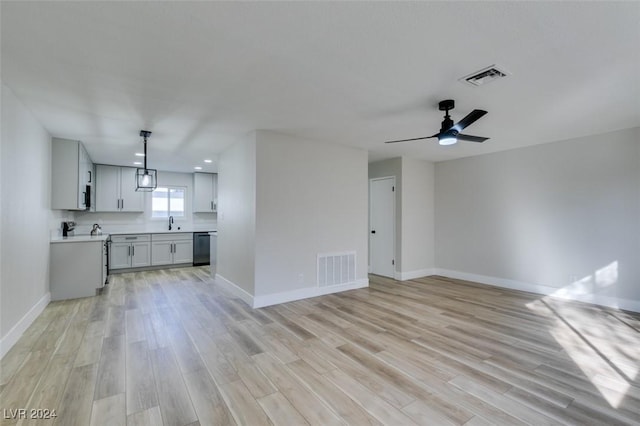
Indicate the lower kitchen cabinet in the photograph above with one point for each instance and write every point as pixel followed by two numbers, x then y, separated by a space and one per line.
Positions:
pixel 130 251
pixel 171 249
pixel 77 269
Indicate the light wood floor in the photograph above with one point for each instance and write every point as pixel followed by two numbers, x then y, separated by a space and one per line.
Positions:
pixel 170 347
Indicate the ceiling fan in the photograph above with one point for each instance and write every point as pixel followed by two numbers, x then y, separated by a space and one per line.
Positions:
pixel 449 132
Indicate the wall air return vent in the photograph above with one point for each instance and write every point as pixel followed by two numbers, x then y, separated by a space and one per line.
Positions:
pixel 336 268
pixel 484 76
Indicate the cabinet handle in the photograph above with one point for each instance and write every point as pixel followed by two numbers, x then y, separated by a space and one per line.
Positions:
pixel 89 171
pixel 212 205
pixel 122 199
pixel 129 251
pixel 84 198
pixel 133 251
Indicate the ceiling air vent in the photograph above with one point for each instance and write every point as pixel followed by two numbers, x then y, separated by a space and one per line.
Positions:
pixel 484 76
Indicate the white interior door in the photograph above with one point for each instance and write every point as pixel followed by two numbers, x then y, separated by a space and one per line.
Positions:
pixel 382 201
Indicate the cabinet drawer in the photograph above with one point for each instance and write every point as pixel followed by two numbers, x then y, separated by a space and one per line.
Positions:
pixel 178 236
pixel 133 238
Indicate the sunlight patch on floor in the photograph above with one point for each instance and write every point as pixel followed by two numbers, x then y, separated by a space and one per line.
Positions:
pixel 609 362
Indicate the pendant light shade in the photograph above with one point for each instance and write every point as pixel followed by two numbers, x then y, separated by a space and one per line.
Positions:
pixel 146 179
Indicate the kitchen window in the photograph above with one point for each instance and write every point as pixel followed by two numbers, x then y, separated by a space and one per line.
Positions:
pixel 168 201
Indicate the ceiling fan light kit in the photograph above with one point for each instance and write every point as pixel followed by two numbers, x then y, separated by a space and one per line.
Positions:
pixel 146 179
pixel 447 140
pixel 450 133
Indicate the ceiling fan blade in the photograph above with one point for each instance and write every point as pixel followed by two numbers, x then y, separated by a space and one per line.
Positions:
pixel 469 138
pixel 413 139
pixel 469 119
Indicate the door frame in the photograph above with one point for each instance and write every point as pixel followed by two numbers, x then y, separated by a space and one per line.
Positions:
pixel 393 227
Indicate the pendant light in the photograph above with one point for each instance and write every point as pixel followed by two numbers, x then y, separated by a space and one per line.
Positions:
pixel 146 179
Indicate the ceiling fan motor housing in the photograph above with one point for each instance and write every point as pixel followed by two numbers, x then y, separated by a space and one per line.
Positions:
pixel 446 105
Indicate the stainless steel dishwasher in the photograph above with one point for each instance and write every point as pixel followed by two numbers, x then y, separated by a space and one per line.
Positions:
pixel 201 247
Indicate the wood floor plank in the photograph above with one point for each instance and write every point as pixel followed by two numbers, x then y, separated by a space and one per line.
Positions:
pixel 134 325
pixel 220 369
pixel 89 350
pixel 376 406
pixel 111 371
pixel 18 391
pixel 207 400
pixel 517 410
pixel 141 392
pixel 148 417
pixel 348 410
pixel 245 409
pixel 311 408
pixel 175 403
pixel 77 400
pixel 280 410
pixel 109 411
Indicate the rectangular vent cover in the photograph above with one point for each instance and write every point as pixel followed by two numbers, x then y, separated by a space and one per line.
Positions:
pixel 336 268
pixel 484 76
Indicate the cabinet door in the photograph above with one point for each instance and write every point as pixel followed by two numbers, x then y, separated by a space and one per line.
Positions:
pixel 183 251
pixel 202 193
pixel 107 188
pixel 119 256
pixel 140 254
pixel 82 176
pixel 92 169
pixel 161 253
pixel 215 192
pixel 132 201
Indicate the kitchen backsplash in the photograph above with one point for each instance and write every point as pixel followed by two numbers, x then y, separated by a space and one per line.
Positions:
pixel 56 219
pixel 139 222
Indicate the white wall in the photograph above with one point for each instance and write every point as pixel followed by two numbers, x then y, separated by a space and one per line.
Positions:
pixel 237 214
pixel 418 215
pixel 25 220
pixel 561 217
pixel 414 213
pixel 311 199
pixel 136 222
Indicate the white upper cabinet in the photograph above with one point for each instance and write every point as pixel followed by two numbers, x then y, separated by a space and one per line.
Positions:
pixel 72 181
pixel 116 190
pixel 132 201
pixel 205 192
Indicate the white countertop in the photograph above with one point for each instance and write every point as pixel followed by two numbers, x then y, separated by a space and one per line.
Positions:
pixel 79 238
pixel 105 235
pixel 165 231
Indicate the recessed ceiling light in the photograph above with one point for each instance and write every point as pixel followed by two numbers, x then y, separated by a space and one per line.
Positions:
pixel 137 163
pixel 208 161
pixel 198 168
pixel 139 154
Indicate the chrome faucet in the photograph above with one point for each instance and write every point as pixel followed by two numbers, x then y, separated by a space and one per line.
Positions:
pixel 170 222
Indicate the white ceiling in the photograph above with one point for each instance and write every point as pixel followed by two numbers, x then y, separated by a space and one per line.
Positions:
pixel 200 74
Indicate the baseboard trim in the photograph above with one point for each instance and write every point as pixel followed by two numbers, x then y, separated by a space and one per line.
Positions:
pixel 411 275
pixel 10 339
pixel 234 289
pixel 611 302
pixel 305 293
